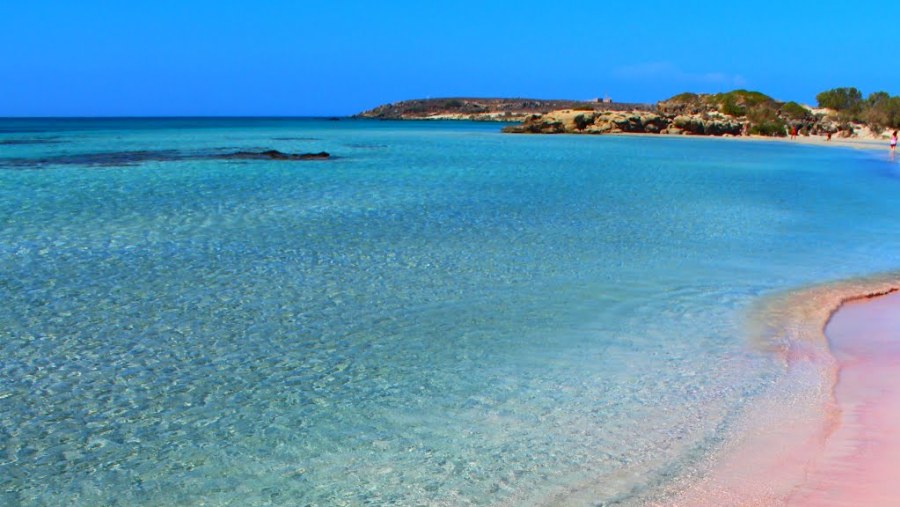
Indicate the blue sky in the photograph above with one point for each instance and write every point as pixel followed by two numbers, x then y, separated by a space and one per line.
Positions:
pixel 337 57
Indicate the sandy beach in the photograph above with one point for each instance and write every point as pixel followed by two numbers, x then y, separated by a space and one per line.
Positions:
pixel 864 142
pixel 840 449
pixel 844 452
pixel 859 459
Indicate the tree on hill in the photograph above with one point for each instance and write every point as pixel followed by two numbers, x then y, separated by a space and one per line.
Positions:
pixel 882 111
pixel 743 98
pixel 794 111
pixel 842 100
pixel 879 110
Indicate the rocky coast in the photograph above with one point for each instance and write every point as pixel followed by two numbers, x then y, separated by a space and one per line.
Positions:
pixel 488 109
pixel 739 113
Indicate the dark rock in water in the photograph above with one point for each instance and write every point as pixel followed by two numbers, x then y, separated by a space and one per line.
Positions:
pixel 28 141
pixel 103 159
pixel 130 158
pixel 274 155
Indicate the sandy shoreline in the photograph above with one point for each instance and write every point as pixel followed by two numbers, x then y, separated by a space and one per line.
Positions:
pixel 835 443
pixel 860 143
pixel 859 459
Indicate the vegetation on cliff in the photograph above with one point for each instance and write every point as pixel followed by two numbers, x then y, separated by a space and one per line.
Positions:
pixel 763 115
pixel 486 109
pixel 737 112
pixel 880 110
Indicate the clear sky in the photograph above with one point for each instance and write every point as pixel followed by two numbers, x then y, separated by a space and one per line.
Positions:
pixel 337 57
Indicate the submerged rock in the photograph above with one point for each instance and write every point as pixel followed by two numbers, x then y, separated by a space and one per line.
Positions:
pixel 274 155
pixel 97 159
pixel 134 157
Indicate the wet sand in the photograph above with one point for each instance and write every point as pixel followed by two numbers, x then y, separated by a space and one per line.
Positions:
pixel 860 459
pixel 835 440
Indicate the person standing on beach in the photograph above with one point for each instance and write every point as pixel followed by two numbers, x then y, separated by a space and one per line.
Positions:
pixel 893 141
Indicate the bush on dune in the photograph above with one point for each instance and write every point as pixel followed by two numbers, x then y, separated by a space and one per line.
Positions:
pixel 764 121
pixel 795 111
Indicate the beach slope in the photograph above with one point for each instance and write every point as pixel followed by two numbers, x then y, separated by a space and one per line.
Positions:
pixel 842 450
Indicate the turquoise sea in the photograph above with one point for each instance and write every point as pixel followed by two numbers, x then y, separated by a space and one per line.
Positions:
pixel 438 315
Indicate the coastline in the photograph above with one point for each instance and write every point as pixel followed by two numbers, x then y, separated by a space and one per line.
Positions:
pixel 859 143
pixel 826 439
pixel 860 458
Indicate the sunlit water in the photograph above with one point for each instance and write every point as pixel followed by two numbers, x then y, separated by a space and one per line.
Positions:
pixel 440 314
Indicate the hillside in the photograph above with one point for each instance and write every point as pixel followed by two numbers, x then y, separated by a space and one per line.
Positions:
pixel 487 109
pixel 734 113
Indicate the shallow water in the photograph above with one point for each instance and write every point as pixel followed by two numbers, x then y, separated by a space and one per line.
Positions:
pixel 441 314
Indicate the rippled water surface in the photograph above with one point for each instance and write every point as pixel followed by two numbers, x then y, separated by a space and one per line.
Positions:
pixel 439 314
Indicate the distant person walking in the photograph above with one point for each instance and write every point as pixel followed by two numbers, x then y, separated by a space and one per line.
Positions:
pixel 794 132
pixel 893 140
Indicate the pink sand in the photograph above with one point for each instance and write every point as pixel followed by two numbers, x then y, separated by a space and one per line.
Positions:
pixel 838 445
pixel 861 459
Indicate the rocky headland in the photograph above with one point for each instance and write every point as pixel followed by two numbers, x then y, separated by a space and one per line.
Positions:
pixel 487 109
pixel 735 113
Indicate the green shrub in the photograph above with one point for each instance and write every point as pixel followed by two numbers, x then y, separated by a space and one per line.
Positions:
pixel 743 98
pixel 877 99
pixel 841 99
pixel 730 107
pixel 769 128
pixel 581 121
pixel 751 98
pixel 894 110
pixel 794 111
pixel 453 104
pixel 764 121
pixel 685 97
pixel 882 111
pixel 739 102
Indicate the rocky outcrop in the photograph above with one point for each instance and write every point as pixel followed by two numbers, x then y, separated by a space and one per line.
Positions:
pixel 273 155
pixel 485 109
pixel 617 122
pixel 734 113
pixel 134 157
pixel 590 122
pixel 705 124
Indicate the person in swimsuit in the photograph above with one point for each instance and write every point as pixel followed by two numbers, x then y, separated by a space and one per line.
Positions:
pixel 893 140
